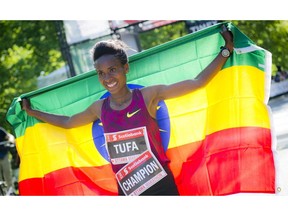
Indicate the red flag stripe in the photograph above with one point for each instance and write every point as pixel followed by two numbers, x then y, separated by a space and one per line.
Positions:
pixel 241 161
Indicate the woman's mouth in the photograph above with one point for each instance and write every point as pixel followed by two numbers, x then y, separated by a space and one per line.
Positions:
pixel 111 85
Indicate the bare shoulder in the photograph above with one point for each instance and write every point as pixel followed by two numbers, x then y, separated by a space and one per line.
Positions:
pixel 148 92
pixel 96 107
pixel 99 103
pixel 151 92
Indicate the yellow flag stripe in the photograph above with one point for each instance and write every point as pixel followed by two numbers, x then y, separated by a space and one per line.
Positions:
pixel 226 102
pixel 45 148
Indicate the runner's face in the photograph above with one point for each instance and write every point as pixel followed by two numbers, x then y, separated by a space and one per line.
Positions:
pixel 111 73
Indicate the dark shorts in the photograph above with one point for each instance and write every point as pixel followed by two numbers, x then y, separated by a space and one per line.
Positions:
pixel 165 187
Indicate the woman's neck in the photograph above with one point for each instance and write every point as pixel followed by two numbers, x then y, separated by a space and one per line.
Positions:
pixel 121 101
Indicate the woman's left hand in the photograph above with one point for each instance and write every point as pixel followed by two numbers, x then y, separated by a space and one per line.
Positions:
pixel 228 37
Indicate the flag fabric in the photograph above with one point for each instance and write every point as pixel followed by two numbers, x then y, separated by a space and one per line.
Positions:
pixel 219 138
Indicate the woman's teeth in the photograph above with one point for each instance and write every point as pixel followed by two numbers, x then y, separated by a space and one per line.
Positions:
pixel 111 85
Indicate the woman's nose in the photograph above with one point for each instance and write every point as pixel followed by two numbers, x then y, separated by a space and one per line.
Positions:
pixel 106 76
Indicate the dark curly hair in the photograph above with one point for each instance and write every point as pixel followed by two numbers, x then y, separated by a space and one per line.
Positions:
pixel 110 47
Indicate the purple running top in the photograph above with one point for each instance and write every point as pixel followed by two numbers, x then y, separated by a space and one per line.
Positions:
pixel 134 116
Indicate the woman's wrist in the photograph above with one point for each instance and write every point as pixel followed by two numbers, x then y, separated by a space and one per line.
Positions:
pixel 30 111
pixel 230 46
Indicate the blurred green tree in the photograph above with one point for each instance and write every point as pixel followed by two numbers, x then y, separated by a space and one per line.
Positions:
pixel 162 35
pixel 27 49
pixel 269 34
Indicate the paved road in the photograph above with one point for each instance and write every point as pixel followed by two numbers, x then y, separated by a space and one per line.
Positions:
pixel 279 107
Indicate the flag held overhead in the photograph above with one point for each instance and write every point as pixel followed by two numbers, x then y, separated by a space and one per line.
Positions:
pixel 218 138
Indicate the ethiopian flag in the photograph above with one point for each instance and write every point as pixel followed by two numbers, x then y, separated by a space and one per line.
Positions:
pixel 218 138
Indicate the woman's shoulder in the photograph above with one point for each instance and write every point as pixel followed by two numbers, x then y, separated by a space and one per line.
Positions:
pixel 150 93
pixel 97 106
pixel 99 103
pixel 150 90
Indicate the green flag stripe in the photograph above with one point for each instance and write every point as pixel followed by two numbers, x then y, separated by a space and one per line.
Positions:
pixel 170 62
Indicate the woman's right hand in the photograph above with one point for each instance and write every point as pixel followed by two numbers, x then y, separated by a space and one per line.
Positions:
pixel 26 104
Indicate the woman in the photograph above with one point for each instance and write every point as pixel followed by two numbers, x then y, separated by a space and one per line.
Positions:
pixel 128 118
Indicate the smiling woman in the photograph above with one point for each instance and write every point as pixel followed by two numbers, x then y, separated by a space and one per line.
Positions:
pixel 133 111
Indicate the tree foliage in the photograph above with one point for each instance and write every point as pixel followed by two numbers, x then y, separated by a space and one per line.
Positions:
pixel 269 34
pixel 162 35
pixel 27 48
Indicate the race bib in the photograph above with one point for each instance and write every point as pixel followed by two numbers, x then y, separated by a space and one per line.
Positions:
pixel 124 146
pixel 141 174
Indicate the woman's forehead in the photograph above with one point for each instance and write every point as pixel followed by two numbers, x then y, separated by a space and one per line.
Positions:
pixel 106 61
